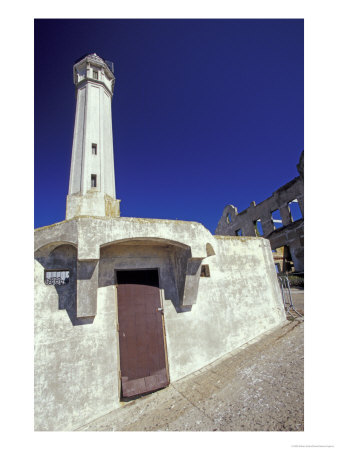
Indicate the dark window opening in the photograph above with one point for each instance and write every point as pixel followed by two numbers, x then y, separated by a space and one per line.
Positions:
pixel 295 210
pixel 56 277
pixel 93 181
pixel 284 257
pixel 94 149
pixel 228 218
pixel 239 232
pixel 205 270
pixel 95 75
pixel 148 277
pixel 276 218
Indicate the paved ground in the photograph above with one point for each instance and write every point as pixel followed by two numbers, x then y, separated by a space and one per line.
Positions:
pixel 298 299
pixel 259 387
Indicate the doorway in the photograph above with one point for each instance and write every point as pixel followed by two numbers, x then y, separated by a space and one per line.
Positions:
pixel 143 361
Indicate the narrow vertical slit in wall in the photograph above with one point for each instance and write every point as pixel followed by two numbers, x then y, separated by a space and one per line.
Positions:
pixel 205 270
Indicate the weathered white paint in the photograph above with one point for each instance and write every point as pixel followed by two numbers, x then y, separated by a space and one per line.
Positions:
pixel 239 301
pixel 76 358
pixel 75 366
pixel 93 125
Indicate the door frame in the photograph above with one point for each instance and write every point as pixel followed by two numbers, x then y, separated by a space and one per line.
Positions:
pixel 164 336
pixel 158 269
pixel 117 323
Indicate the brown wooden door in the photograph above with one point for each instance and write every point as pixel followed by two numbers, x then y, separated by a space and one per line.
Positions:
pixel 142 352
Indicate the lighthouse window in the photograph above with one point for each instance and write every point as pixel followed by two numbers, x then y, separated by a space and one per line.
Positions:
pixel 93 181
pixel 94 149
pixel 95 75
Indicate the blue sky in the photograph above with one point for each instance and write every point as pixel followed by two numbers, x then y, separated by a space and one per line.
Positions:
pixel 205 112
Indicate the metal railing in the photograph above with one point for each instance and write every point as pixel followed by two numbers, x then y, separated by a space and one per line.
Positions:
pixel 56 278
pixel 287 296
pixel 56 281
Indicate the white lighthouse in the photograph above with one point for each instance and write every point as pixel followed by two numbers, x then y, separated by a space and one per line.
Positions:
pixel 92 178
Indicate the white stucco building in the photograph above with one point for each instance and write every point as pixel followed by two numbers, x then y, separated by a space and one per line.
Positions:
pixel 124 306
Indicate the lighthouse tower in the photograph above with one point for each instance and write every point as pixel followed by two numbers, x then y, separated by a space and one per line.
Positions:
pixel 92 179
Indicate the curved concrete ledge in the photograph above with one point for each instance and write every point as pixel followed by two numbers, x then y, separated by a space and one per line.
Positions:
pixel 91 233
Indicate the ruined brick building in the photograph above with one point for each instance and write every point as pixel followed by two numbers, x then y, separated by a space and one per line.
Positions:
pixel 273 219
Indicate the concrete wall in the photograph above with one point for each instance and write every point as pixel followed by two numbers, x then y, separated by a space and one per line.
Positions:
pixel 76 357
pixel 239 301
pixel 75 360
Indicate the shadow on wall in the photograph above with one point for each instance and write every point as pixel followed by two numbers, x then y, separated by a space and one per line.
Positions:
pixel 170 260
pixel 180 258
pixel 63 258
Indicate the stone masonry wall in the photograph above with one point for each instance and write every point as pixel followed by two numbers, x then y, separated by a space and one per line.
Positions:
pixel 290 234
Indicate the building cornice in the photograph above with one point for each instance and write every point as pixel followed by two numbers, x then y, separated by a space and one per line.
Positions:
pixel 94 82
pixel 97 61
